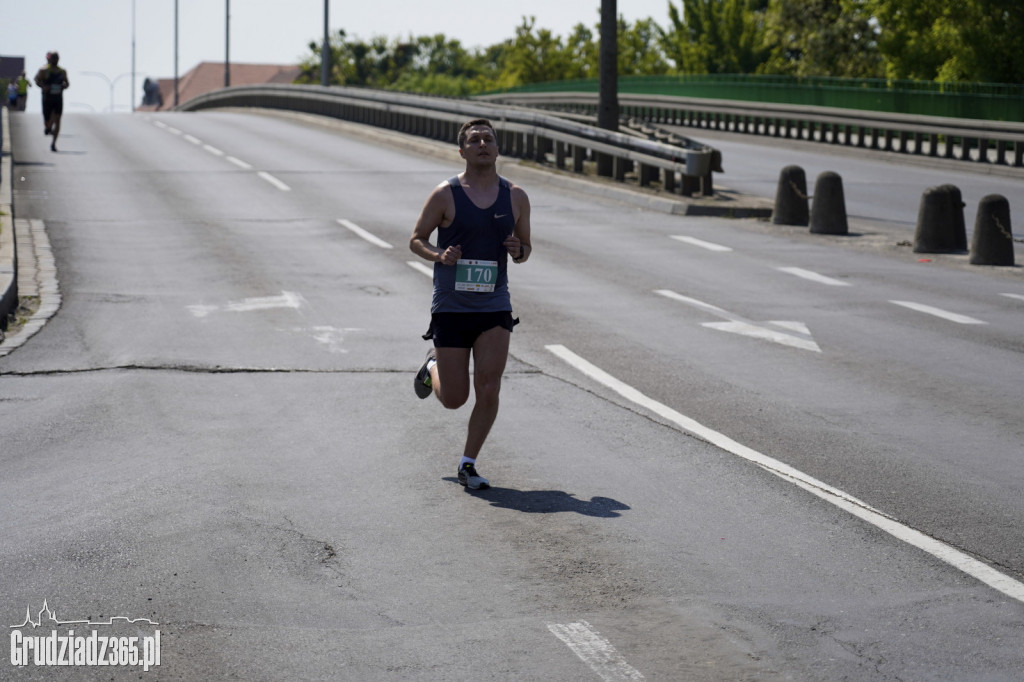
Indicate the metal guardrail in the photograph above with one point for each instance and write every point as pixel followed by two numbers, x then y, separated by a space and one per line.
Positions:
pixel 989 142
pixel 522 132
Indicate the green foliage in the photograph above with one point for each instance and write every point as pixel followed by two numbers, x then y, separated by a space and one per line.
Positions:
pixel 944 40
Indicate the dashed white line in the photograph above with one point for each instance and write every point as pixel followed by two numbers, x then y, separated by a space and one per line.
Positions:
pixel 938 312
pixel 193 139
pixel 213 150
pixel 693 241
pixel 238 162
pixel 173 131
pixel 421 266
pixel 1019 297
pixel 981 571
pixel 355 229
pixel 274 181
pixel 815 277
pixel 596 651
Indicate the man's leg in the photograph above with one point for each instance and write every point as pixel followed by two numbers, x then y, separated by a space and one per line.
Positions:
pixel 55 131
pixel 490 353
pixel 449 377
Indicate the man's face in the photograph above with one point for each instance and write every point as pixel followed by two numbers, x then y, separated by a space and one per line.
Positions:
pixel 480 145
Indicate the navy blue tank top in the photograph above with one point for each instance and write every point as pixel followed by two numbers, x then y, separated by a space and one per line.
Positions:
pixel 481 233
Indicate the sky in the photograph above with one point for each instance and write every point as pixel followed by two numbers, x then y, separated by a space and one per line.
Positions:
pixel 94 37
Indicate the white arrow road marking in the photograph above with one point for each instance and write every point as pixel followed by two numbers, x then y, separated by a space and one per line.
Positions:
pixel 373 239
pixel 969 565
pixel 332 337
pixel 595 651
pixel 815 277
pixel 938 312
pixel 287 299
pixel 710 246
pixel 739 325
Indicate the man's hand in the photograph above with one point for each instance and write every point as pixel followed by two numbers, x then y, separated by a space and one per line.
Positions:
pixel 450 256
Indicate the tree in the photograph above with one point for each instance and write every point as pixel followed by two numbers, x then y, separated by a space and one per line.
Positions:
pixel 715 36
pixel 822 38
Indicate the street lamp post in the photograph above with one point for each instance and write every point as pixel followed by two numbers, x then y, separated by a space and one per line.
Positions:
pixel 110 83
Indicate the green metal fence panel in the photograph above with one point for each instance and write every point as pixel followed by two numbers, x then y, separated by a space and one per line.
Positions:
pixel 985 101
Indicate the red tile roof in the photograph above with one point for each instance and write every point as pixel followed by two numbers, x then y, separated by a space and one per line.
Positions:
pixel 209 76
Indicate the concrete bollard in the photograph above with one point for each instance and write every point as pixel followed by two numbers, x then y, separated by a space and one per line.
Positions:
pixel 940 221
pixel 992 243
pixel 828 210
pixel 791 198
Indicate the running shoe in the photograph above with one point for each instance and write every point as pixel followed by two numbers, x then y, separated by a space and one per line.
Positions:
pixel 422 383
pixel 471 479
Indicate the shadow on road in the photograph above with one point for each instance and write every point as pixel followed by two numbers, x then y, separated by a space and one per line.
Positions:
pixel 547 501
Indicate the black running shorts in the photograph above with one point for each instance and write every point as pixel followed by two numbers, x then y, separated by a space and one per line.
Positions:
pixel 460 330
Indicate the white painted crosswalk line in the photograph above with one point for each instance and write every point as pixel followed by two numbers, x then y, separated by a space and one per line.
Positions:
pixel 596 651
pixel 815 277
pixel 355 229
pixel 693 241
pixel 938 312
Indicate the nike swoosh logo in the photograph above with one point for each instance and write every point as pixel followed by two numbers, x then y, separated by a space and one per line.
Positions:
pixel 499 217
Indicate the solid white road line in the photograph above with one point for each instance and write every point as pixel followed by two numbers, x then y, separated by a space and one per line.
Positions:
pixel 815 277
pixel 238 162
pixel 981 571
pixel 938 312
pixel 421 266
pixel 373 239
pixel 274 181
pixel 595 651
pixel 710 246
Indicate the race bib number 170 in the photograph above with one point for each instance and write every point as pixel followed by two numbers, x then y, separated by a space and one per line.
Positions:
pixel 476 275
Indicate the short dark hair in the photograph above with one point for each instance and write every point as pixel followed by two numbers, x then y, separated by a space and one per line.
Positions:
pixel 464 130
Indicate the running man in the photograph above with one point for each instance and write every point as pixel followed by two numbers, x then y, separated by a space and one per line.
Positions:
pixel 481 220
pixel 53 81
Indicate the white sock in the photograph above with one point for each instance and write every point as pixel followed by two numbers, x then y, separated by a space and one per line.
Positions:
pixel 466 459
pixel 430 363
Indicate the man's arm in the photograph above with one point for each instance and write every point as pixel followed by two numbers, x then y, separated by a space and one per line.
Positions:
pixel 519 241
pixel 438 210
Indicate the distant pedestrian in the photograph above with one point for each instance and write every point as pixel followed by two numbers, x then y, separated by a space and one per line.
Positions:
pixel 12 95
pixel 53 81
pixel 23 86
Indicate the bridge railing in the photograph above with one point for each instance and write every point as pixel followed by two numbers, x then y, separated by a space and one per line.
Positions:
pixel 988 142
pixel 522 132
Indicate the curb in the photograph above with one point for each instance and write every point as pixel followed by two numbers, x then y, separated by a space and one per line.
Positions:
pixel 8 252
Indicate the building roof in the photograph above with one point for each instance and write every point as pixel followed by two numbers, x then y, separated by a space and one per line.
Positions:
pixel 209 76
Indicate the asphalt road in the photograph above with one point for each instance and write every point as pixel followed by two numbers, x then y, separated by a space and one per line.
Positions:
pixel 216 432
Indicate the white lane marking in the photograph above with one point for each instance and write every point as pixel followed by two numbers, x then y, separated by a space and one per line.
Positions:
pixel 287 299
pixel 983 572
pixel 173 131
pixel 160 124
pixel 213 150
pixel 815 277
pixel 274 181
pixel 938 312
pixel 710 246
pixel 595 651
pixel 422 267
pixel 739 325
pixel 193 139
pixel 1017 296
pixel 239 162
pixel 332 337
pixel 373 239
